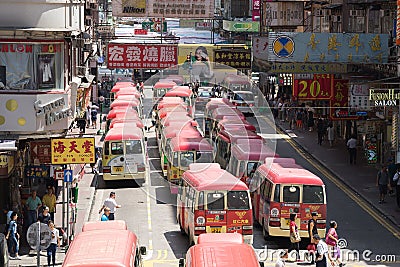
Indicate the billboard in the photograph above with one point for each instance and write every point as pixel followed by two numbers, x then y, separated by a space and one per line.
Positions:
pixel 318 68
pixel 163 8
pixel 328 47
pixel 240 26
pixel 236 58
pixel 141 56
pixel 318 88
pixel 283 13
pixel 72 150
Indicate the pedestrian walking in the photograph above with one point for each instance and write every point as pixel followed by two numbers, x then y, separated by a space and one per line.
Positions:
pixel 49 200
pixel 312 230
pixel 282 257
pixel 13 237
pixel 310 120
pixel 33 204
pixel 87 117
pixel 330 133
pixel 299 119
pixel 291 115
pixel 392 169
pixel 382 182
pixel 294 235
pixel 352 148
pixel 320 131
pixel 44 217
pixel 112 205
pixel 54 243
pixel 106 214
pixel 396 179
pixel 331 240
pixel 322 254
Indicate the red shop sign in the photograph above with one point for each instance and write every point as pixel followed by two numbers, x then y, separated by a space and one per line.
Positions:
pixel 339 102
pixel 142 56
pixel 140 31
pixel 318 88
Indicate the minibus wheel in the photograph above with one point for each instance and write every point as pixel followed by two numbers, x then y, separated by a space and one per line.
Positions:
pixel 265 232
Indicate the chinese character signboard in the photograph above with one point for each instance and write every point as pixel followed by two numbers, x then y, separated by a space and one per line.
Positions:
pixel 141 56
pixel 240 26
pixel 155 25
pixel 256 10
pixel 328 47
pixel 235 58
pixel 41 171
pixel 72 150
pixel 163 8
pixel 318 88
pixel 294 67
pixel 339 103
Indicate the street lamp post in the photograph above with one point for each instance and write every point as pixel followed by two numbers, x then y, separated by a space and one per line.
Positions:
pixel 101 100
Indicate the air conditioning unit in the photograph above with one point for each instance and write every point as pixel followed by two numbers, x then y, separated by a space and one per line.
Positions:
pixel 88 22
pixel 353 13
pixel 87 47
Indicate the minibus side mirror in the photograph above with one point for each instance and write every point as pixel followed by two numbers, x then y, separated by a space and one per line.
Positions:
pixel 145 138
pixel 142 250
pixel 261 264
pixel 146 128
pixel 181 262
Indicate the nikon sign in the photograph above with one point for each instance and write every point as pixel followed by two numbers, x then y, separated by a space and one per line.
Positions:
pixel 384 97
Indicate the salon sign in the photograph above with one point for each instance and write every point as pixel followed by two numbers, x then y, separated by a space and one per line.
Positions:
pixel 384 97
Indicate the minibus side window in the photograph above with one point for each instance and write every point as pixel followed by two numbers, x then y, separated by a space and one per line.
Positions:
pixel 277 193
pixel 200 201
pixel 106 148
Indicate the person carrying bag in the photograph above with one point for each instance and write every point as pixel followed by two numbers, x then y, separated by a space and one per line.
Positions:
pixel 294 235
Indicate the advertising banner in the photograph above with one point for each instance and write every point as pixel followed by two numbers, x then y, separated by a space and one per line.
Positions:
pixel 40 152
pixel 319 68
pixel 260 54
pixel 240 26
pixel 235 58
pixel 141 56
pixel 318 88
pixel 72 150
pixel 328 47
pixel 339 103
pixel 256 10
pixel 163 8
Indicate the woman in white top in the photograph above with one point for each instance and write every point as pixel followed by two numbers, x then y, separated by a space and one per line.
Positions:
pixel 55 242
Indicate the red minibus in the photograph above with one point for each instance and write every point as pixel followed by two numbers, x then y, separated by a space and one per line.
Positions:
pixel 119 85
pixel 180 128
pixel 282 187
pixel 186 94
pixel 221 254
pixel 208 110
pixel 120 122
pixel 104 225
pixel 161 87
pixel 128 91
pixel 211 200
pixel 220 237
pixel 99 248
pixel 182 151
pixel 121 110
pixel 224 141
pixel 246 156
pixel 124 154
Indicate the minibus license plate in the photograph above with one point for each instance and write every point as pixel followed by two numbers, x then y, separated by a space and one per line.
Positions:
pixel 118 169
pixel 215 229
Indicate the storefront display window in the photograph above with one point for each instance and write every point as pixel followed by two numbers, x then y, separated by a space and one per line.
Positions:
pixel 33 66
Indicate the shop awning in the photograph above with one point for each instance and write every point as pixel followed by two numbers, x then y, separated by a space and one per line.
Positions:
pixel 7 145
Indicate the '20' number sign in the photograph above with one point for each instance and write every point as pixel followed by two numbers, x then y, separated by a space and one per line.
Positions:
pixel 312 89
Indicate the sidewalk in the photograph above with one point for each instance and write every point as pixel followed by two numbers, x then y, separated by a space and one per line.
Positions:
pixel 85 199
pixel 361 178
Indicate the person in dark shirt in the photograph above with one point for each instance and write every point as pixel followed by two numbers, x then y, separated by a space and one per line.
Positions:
pixel 44 217
pixel 312 230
